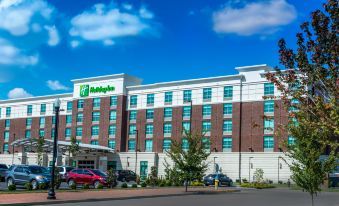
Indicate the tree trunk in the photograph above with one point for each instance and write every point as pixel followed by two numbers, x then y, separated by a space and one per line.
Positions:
pixel 312 199
pixel 186 185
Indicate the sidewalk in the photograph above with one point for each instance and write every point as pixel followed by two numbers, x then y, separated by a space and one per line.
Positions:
pixel 114 194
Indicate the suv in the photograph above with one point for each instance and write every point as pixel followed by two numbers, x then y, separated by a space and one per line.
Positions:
pixel 3 171
pixel 87 176
pixel 21 174
pixel 126 175
pixel 63 171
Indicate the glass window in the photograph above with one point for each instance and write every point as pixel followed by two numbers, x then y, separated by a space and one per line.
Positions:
pixel 29 109
pixel 149 114
pixel 131 145
pixel 228 91
pixel 269 106
pixel 132 129
pixel 28 134
pixel 69 105
pixel 133 115
pixel 206 126
pixel 112 115
pixel 186 111
pixel 168 97
pixel 206 143
pixel 111 144
pixel 167 128
pixel 268 142
pixel 95 130
pixel 68 132
pixel 80 117
pixel 53 120
pixel 167 144
pixel 269 124
pixel 96 102
pixel 80 104
pixel 53 133
pixel 187 95
pixel 228 108
pixel 114 101
pixel 95 116
pixel 227 127
pixel 186 126
pixel 41 133
pixel 7 123
pixel 94 142
pixel 68 119
pixel 148 145
pixel 291 140
pixel 42 121
pixel 43 108
pixel 6 136
pixel 168 112
pixel 8 111
pixel 206 110
pixel 268 89
pixel 226 143
pixel 133 100
pixel 78 131
pixel 29 122
pixel 294 104
pixel 184 144
pixel 149 128
pixel 5 148
pixel 150 98
pixel 207 93
pixel 112 129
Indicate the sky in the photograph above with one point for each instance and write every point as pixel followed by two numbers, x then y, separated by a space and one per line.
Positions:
pixel 46 43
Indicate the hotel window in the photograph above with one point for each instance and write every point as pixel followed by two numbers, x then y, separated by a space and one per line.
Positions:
pixel 168 97
pixel 133 101
pixel 68 119
pixel 111 144
pixel 132 129
pixel 43 108
pixel 53 120
pixel 5 148
pixel 269 125
pixel 293 107
pixel 6 136
pixel 269 106
pixel 114 101
pixel 112 130
pixel 268 89
pixel 28 122
pixel 149 114
pixel 206 126
pixel 268 143
pixel 291 140
pixel 80 104
pixel 168 112
pixel 167 128
pixel 187 95
pixel 227 144
pixel 41 133
pixel 166 144
pixel 148 145
pixel 53 133
pixel 186 111
pixel 184 144
pixel 28 134
pixel 206 143
pixel 68 132
pixel 228 92
pixel 42 121
pixel 150 99
pixel 29 109
pixel 8 111
pixel 69 105
pixel 95 130
pixel 133 115
pixel 228 108
pixel 96 102
pixel 94 142
pixel 186 126
pixel 227 127
pixel 207 93
pixel 131 145
pixel 78 131
pixel 112 115
pixel 95 116
pixel 149 128
pixel 80 117
pixel 206 110
pixel 7 123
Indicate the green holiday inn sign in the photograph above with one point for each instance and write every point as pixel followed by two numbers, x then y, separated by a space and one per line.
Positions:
pixel 85 90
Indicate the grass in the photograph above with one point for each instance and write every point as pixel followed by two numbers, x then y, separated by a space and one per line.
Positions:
pixel 35 191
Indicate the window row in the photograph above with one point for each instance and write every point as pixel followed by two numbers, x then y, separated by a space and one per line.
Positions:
pixel 96 102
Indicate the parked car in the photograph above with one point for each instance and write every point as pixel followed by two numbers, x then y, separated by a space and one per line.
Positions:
pixel 93 177
pixel 63 171
pixel 126 175
pixel 223 180
pixel 21 174
pixel 3 171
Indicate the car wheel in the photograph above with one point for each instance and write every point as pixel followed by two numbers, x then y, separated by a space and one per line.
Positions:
pixel 10 182
pixel 96 184
pixel 71 182
pixel 34 184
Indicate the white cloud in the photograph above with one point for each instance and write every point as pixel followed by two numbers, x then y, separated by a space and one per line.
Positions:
pixel 56 85
pixel 75 43
pixel 254 18
pixel 53 35
pixel 104 23
pixel 18 93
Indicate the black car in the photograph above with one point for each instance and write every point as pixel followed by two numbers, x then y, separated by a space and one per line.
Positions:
pixel 223 180
pixel 125 175
pixel 3 172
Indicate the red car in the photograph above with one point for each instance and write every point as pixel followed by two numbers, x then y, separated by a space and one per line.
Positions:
pixel 87 176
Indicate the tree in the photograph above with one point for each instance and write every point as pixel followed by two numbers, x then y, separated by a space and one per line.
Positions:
pixel 111 178
pixel 40 150
pixel 190 163
pixel 73 148
pixel 309 87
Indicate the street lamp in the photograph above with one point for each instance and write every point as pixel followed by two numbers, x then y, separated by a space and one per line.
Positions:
pixel 51 192
pixel 249 168
pixel 279 167
pixel 127 165
pixel 13 149
pixel 136 151
pixel 215 167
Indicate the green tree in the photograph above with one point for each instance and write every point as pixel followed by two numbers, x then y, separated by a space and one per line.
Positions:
pixel 73 149
pixel 111 178
pixel 190 163
pixel 310 91
pixel 40 150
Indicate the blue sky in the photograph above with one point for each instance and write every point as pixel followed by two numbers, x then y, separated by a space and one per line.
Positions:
pixel 46 43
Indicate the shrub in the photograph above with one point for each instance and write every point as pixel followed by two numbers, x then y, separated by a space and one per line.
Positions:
pixel 177 184
pixel 42 186
pixel 197 184
pixel 256 185
pixel 162 184
pixel 124 185
pixel 259 175
pixel 100 186
pixel 237 181
pixel 143 184
pixel 85 186
pixel 12 187
pixel 280 182
pixel 111 178
pixel 244 180
pixel 73 186
pixel 135 186
pixel 29 186
pixel 168 183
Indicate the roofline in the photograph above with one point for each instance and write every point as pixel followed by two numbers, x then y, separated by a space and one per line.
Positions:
pixel 105 77
pixel 36 98
pixel 254 68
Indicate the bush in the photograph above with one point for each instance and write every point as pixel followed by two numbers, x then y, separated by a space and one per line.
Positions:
pixel 12 187
pixel 100 187
pixel 73 186
pixel 162 184
pixel 29 186
pixel 257 185
pixel 197 184
pixel 143 184
pixel 134 186
pixel 85 186
pixel 42 186
pixel 124 185
pixel 280 182
pixel 168 183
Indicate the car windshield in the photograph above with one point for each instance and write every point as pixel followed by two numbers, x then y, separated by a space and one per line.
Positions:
pixel 3 167
pixel 99 172
pixel 38 170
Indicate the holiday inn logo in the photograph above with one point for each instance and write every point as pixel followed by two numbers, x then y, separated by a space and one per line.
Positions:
pixel 85 90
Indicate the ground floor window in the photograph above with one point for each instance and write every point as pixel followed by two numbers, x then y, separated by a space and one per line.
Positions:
pixel 131 145
pixel 206 143
pixel 143 169
pixel 148 145
pixel 167 144
pixel 86 164
pixel 111 144
pixel 227 144
pixel 268 143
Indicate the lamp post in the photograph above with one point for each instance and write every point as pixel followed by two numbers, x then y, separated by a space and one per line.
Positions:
pixel 136 151
pixel 279 167
pixel 13 149
pixel 51 192
pixel 127 165
pixel 249 168
pixel 215 168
